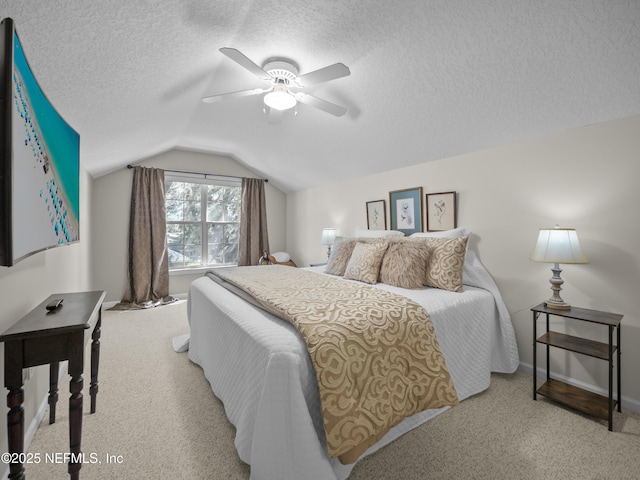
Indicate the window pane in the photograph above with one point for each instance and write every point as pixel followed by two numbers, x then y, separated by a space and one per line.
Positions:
pixel 231 233
pixel 176 258
pixel 232 204
pixel 224 253
pixel 193 191
pixel 174 210
pixel 174 234
pixel 215 203
pixel 192 234
pixel 216 255
pixel 215 233
pixel 173 190
pixel 191 211
pixel 193 255
pixel 231 252
pixel 215 193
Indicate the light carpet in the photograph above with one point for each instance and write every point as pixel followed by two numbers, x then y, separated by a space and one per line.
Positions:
pixel 158 419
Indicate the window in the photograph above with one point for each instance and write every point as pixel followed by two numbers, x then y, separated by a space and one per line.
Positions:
pixel 203 221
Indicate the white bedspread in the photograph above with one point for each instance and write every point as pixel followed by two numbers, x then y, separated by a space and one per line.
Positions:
pixel 258 366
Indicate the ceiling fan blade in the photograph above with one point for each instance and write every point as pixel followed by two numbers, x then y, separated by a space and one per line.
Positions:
pixel 328 107
pixel 275 116
pixel 244 61
pixel 337 70
pixel 241 93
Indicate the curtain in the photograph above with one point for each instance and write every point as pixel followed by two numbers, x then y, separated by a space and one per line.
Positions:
pixel 253 222
pixel 148 264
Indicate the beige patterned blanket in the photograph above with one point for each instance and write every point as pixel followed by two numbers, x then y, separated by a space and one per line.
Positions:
pixel 375 353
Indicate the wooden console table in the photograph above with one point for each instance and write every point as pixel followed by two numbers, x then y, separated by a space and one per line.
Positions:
pixel 44 337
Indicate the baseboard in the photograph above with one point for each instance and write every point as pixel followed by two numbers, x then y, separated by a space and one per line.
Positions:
pixel 626 402
pixel 32 429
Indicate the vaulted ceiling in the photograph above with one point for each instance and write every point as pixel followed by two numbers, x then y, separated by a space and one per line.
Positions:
pixel 429 79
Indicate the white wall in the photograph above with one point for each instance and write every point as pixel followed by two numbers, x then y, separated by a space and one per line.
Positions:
pixel 25 285
pixel 586 178
pixel 111 203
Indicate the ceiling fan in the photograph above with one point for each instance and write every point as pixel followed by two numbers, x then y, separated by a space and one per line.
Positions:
pixel 284 91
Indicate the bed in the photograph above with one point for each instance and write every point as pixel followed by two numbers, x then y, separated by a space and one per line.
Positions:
pixel 259 367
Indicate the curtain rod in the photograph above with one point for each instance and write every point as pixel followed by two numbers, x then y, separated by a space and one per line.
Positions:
pixel 200 173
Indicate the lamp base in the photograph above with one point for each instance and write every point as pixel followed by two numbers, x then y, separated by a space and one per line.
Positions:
pixel 557 305
pixel 556 302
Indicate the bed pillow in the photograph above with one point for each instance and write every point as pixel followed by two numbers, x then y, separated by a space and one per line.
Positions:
pixel 340 255
pixel 446 262
pixel 365 233
pixel 364 264
pixel 453 233
pixel 281 257
pixel 405 264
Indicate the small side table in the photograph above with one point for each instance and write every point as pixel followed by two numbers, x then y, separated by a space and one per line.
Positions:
pixel 44 337
pixel 569 395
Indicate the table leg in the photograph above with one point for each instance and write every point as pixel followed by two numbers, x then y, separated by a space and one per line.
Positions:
pixel 15 429
pixel 13 354
pixel 610 400
pixel 95 362
pixel 535 371
pixel 76 365
pixel 54 369
pixel 619 366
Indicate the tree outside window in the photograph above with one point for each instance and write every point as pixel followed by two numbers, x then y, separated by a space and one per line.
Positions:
pixel 203 222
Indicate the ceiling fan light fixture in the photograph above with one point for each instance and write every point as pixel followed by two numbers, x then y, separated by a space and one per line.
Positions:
pixel 280 98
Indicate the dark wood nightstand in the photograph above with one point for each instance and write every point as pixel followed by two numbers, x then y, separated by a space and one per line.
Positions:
pixel 574 397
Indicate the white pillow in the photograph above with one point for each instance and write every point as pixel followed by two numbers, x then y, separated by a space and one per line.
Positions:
pixel 455 233
pixel 363 232
pixel 281 257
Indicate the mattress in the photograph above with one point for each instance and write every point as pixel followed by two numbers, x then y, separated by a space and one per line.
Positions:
pixel 258 366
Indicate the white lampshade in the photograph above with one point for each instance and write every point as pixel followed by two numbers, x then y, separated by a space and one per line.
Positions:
pixel 558 245
pixel 280 98
pixel 328 236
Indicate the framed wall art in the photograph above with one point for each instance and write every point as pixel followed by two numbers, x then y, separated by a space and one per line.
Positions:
pixel 405 207
pixel 376 215
pixel 441 211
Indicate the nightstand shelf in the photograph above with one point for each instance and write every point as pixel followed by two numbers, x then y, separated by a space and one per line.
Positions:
pixel 577 398
pixel 587 402
pixel 576 344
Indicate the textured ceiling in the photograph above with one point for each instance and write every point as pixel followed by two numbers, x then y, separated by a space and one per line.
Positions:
pixel 429 78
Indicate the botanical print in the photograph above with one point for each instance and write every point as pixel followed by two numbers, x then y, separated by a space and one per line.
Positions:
pixel 406 210
pixel 440 208
pixel 376 215
pixel 405 214
pixel 441 211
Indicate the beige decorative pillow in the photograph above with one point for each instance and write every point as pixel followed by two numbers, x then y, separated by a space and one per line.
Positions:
pixel 405 264
pixel 365 261
pixel 340 255
pixel 446 262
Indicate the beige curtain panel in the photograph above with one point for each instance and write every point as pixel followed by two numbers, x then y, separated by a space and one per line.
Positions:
pixel 148 266
pixel 254 239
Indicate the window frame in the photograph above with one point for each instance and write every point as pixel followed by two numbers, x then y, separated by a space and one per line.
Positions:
pixel 204 180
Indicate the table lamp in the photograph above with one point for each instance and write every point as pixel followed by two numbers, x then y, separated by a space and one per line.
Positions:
pixel 328 237
pixel 558 245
